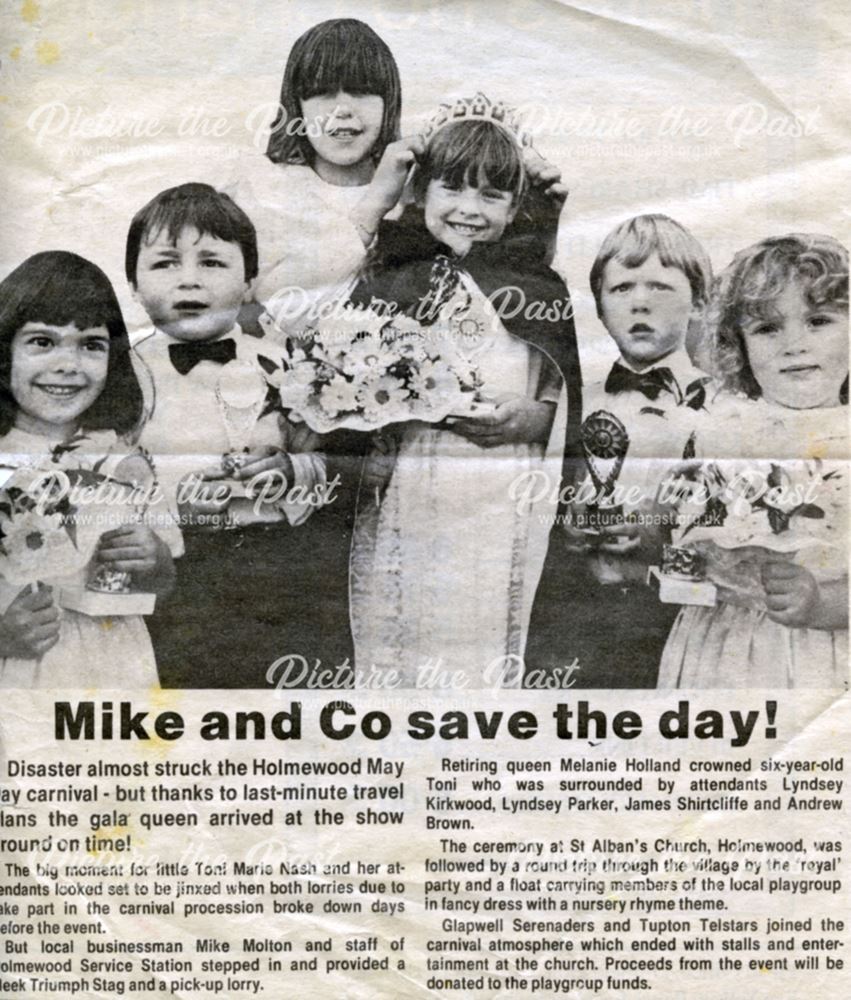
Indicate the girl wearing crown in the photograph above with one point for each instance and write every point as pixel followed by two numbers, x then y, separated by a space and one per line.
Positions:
pixel 446 561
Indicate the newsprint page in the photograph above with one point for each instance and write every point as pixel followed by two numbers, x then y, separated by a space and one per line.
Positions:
pixel 424 499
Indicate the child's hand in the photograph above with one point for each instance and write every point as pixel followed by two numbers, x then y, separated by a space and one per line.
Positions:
pixel 133 548
pixel 387 184
pixel 30 625
pixel 791 593
pixel 299 437
pixel 267 459
pixel 545 177
pixel 515 420
pixel 619 539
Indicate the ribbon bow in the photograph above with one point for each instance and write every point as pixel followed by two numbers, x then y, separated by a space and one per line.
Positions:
pixel 185 355
pixel 650 383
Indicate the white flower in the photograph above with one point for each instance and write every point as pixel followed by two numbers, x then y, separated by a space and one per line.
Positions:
pixel 37 546
pixel 435 382
pixel 338 396
pixel 383 398
pixel 409 347
pixel 296 386
pixel 368 355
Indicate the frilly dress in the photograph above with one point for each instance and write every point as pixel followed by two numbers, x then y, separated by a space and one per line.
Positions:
pixel 787 495
pixel 91 651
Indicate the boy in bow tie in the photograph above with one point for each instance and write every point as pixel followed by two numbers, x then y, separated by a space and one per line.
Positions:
pixel 650 280
pixel 243 599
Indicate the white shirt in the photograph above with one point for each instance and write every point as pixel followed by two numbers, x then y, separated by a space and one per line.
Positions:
pixel 309 250
pixel 189 428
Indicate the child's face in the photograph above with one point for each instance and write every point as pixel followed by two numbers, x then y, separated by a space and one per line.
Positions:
pixel 799 356
pixel 646 309
pixel 462 215
pixel 342 128
pixel 57 374
pixel 191 288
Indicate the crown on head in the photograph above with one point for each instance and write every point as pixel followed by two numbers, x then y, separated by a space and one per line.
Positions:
pixel 479 108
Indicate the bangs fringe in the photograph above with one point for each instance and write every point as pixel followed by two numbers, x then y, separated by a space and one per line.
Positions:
pixel 58 288
pixel 820 268
pixel 636 240
pixel 346 58
pixel 474 153
pixel 341 54
pixel 198 206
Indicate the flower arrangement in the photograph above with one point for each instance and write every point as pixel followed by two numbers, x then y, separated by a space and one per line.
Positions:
pixel 763 504
pixel 364 371
pixel 38 536
pixel 42 535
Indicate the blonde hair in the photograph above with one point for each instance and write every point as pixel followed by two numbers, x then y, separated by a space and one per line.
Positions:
pixel 749 287
pixel 637 239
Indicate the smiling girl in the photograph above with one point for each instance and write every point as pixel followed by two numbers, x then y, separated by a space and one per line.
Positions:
pixel 445 567
pixel 334 167
pixel 68 396
pixel 778 558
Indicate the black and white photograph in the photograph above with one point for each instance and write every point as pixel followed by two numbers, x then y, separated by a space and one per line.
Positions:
pixel 487 352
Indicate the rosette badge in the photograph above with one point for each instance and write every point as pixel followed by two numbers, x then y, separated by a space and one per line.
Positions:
pixel 605 442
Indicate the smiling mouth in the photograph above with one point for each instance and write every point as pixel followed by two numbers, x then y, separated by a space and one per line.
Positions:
pixel 345 133
pixel 800 370
pixel 59 391
pixel 465 228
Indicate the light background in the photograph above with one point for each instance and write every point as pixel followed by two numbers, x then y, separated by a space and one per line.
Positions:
pixel 713 66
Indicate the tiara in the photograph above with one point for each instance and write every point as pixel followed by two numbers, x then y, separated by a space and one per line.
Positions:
pixel 478 109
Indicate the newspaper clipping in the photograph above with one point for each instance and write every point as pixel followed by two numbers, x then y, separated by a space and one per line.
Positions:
pixel 424 499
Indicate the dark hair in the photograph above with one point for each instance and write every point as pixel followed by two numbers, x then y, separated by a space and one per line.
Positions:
pixel 200 206
pixel 59 288
pixel 472 152
pixel 634 241
pixel 748 289
pixel 340 54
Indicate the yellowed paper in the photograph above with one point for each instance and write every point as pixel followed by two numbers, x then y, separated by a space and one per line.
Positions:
pixel 415 721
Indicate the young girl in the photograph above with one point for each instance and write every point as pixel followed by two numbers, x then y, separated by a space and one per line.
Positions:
pixel 334 167
pixel 68 395
pixel 776 544
pixel 445 566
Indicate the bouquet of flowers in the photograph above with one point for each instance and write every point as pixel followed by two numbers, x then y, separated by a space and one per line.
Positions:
pixel 362 371
pixel 53 512
pixel 38 529
pixel 760 503
pixel 740 515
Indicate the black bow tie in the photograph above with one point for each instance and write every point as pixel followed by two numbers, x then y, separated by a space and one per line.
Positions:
pixel 650 383
pixel 185 355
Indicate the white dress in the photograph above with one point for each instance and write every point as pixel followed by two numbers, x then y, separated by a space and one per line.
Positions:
pixel 444 570
pixel 91 651
pixel 309 249
pixel 735 644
